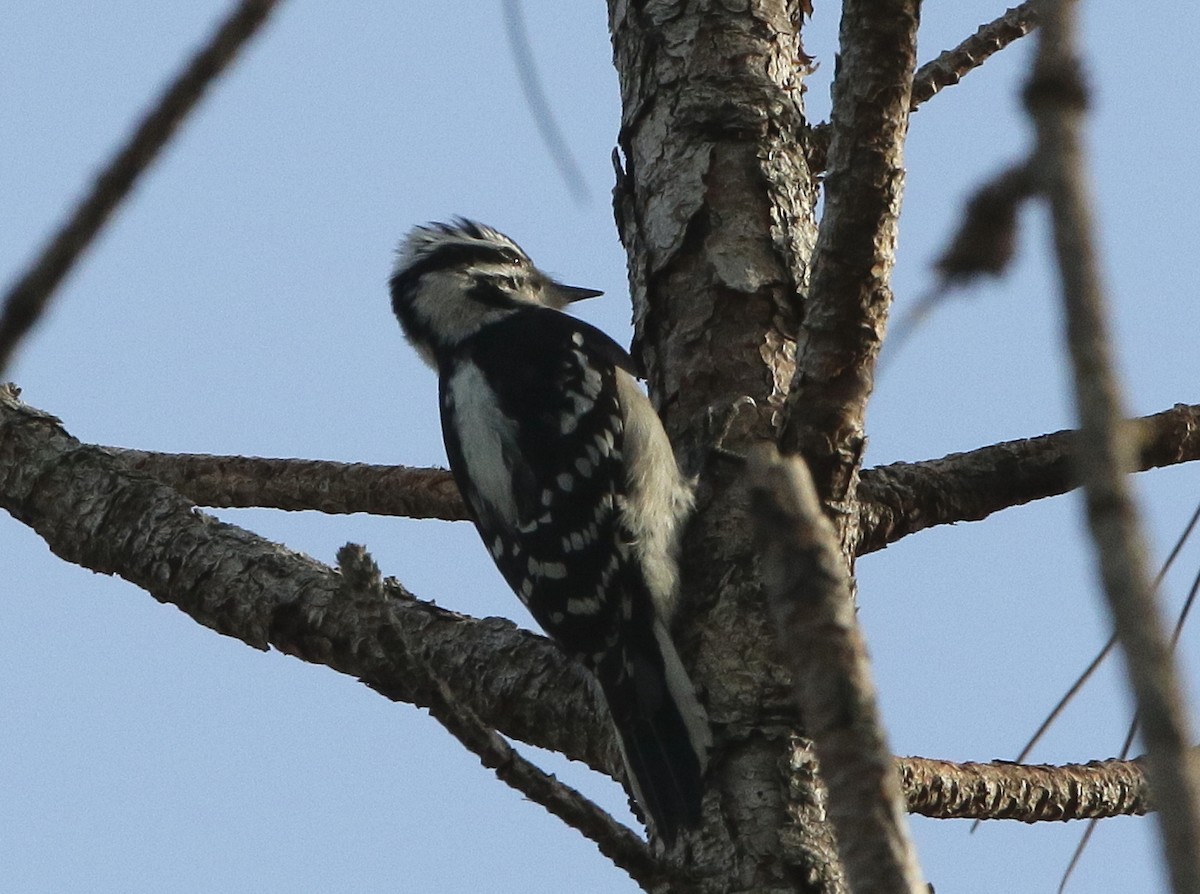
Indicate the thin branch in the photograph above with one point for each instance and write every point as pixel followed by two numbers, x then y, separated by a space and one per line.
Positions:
pixel 1077 855
pixel 903 498
pixel 952 66
pixel 1131 733
pixel 28 296
pixel 808 586
pixel 1030 793
pixel 1056 98
pixel 238 482
pixel 628 852
pixel 93 511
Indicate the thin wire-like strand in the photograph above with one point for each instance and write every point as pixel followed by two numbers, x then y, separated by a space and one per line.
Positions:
pixel 1107 649
pixel 1112 642
pixel 1131 733
pixel 543 116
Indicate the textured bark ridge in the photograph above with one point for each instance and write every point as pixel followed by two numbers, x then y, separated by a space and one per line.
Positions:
pixel 716 207
pixel 715 204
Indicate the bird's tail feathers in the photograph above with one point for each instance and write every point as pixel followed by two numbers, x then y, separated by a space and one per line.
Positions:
pixel 664 736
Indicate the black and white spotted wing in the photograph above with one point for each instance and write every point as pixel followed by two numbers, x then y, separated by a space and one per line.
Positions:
pixel 547 496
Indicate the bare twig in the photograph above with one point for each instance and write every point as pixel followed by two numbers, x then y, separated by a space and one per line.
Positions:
pixel 1095 663
pixel 1131 733
pixel 28 296
pixel 951 66
pixel 808 586
pixel 1107 648
pixel 1056 98
pixel 619 844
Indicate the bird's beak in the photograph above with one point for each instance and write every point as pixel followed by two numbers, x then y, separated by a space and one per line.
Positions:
pixel 569 294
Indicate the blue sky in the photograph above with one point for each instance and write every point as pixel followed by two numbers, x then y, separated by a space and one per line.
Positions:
pixel 238 304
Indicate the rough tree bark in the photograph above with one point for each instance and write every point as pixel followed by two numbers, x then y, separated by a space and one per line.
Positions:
pixel 715 204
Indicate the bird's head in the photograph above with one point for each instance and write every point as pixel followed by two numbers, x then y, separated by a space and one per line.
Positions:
pixel 452 279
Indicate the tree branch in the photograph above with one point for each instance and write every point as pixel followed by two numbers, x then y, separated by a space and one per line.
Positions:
pixel 1030 793
pixel 897 500
pixel 361 577
pixel 1056 98
pixel 809 591
pixel 952 66
pixel 93 511
pixel 902 498
pixel 28 296
pixel 238 482
pixel 846 310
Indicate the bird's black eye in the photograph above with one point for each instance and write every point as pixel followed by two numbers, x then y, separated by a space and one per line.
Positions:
pixel 511 257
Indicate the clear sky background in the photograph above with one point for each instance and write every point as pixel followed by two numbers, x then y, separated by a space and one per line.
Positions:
pixel 238 304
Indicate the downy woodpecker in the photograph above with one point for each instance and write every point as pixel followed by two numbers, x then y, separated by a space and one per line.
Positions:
pixel 572 483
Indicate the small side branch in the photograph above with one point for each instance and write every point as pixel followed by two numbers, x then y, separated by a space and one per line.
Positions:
pixel 1029 793
pixel 903 498
pixel 809 591
pixel 953 65
pixel 28 297
pixel 950 66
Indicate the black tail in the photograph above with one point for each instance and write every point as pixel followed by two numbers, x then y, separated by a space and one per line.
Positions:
pixel 664 734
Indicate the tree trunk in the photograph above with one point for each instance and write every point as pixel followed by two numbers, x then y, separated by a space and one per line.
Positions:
pixel 715 205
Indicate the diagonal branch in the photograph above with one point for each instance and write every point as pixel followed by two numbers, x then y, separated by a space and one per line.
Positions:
pixel 93 511
pixel 952 66
pixel 1056 98
pixel 903 498
pixel 361 575
pixel 29 295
